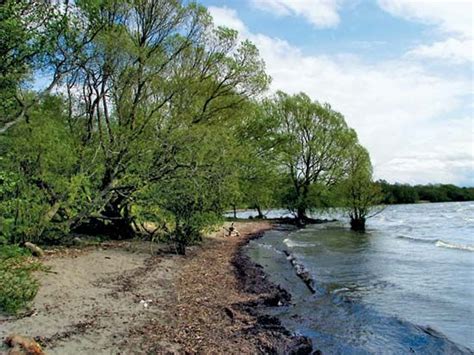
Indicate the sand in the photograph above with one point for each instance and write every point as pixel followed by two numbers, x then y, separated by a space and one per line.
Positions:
pixel 122 299
pixel 88 302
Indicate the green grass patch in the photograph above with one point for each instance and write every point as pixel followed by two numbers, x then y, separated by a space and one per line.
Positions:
pixel 18 287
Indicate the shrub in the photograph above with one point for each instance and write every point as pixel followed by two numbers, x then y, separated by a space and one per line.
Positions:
pixel 17 285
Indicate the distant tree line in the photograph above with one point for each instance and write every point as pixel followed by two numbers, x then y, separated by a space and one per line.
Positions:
pixel 405 193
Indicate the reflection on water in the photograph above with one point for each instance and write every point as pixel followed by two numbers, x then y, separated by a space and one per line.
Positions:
pixel 414 269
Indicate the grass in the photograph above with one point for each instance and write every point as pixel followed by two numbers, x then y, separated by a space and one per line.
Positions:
pixel 18 287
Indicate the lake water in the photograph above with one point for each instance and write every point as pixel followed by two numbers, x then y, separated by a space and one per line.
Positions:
pixel 407 285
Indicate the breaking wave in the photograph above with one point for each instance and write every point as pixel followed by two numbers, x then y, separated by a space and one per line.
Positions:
pixel 439 243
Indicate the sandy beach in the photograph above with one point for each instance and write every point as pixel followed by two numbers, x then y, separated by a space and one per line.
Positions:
pixel 121 298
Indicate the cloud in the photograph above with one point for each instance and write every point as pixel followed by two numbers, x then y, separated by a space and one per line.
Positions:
pixel 398 107
pixel 320 13
pixel 450 157
pixel 451 50
pixel 450 16
pixel 224 16
pixel 451 19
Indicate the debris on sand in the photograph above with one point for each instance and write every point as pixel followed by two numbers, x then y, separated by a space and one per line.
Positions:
pixel 20 345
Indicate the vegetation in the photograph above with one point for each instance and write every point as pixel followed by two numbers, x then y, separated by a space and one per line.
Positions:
pixel 140 84
pixel 357 192
pixel 146 113
pixel 17 286
pixel 404 193
pixel 314 141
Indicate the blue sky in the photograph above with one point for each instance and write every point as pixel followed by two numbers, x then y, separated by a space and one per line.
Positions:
pixel 401 71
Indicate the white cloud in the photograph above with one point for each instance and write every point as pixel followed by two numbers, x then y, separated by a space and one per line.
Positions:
pixel 450 16
pixel 320 13
pixel 450 157
pixel 451 50
pixel 397 107
pixel 452 19
pixel 224 16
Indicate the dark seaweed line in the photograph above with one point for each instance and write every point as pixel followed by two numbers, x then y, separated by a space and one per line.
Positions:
pixel 254 280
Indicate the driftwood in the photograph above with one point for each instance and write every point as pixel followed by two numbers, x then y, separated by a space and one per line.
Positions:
pixel 35 250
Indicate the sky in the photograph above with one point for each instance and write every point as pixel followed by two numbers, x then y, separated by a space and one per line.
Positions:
pixel 401 72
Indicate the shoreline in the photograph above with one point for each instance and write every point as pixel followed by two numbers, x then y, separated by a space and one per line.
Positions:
pixel 418 337
pixel 221 296
pixel 122 296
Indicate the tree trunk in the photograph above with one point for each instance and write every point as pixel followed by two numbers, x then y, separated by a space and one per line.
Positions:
pixel 358 224
pixel 301 215
pixel 235 211
pixel 114 221
pixel 302 204
pixel 260 214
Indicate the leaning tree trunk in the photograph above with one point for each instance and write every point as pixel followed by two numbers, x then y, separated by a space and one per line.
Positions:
pixel 358 224
pixel 113 221
pixel 260 215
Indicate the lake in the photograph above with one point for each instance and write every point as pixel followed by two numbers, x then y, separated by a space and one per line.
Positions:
pixel 406 285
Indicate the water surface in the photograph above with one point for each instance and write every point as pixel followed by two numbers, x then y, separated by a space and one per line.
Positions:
pixel 406 285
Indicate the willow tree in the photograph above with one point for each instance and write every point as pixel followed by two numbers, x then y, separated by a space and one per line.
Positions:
pixel 313 153
pixel 259 176
pixel 140 76
pixel 361 197
pixel 30 33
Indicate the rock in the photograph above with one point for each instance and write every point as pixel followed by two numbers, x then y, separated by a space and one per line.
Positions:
pixel 235 233
pixel 21 345
pixel 232 231
pixel 268 321
pixel 35 250
pixel 300 345
pixel 77 241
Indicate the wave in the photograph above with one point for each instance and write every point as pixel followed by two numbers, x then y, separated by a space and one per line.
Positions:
pixel 443 244
pixel 439 243
pixel 294 244
pixel 418 240
pixel 269 247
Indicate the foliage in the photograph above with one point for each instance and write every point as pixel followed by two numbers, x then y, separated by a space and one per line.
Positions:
pixel 314 144
pixel 29 34
pixel 38 172
pixel 260 181
pixel 138 79
pixel 358 193
pixel 17 285
pixel 404 193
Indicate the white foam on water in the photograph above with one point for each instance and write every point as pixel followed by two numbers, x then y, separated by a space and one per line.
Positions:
pixel 443 244
pixel 439 243
pixel 414 239
pixel 294 244
pixel 269 247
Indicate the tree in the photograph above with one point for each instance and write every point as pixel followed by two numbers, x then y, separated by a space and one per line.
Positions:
pixel 138 80
pixel 157 68
pixel 32 37
pixel 260 179
pixel 315 140
pixel 360 195
pixel 39 161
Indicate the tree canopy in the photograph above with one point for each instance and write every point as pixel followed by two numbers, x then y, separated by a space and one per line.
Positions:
pixel 144 112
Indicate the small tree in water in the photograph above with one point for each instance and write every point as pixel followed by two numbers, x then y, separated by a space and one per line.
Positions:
pixel 360 195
